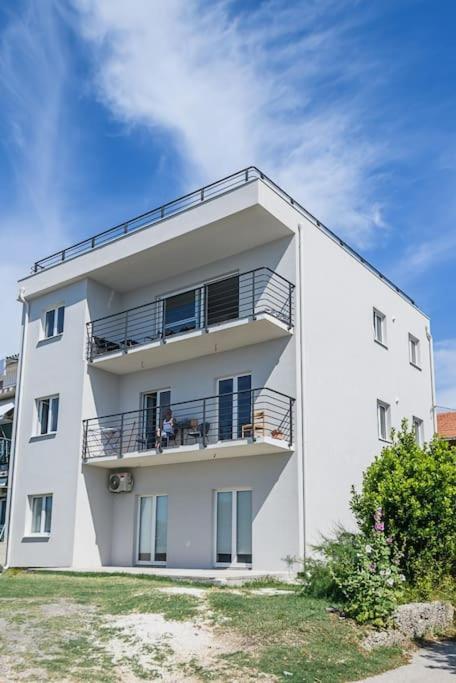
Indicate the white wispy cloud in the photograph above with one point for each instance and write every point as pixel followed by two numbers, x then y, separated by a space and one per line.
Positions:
pixel 253 85
pixel 445 366
pixel 32 76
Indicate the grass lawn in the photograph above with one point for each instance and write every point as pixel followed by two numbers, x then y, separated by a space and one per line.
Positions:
pixel 129 628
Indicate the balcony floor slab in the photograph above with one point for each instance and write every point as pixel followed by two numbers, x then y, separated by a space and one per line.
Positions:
pixel 224 337
pixel 193 453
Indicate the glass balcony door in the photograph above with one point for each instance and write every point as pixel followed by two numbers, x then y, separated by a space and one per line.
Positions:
pixel 152 529
pixel 154 404
pixel 182 312
pixel 233 510
pixel 234 406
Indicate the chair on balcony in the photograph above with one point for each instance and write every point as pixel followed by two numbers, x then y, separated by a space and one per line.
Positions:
pixel 258 428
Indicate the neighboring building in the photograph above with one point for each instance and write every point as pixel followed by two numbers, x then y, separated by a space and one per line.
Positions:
pixel 8 377
pixel 271 358
pixel 446 426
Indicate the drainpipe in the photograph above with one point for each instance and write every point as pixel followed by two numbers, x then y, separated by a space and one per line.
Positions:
pixel 431 368
pixel 17 410
pixel 300 430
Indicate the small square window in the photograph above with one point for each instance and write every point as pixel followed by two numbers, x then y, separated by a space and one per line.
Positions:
pixel 418 430
pixel 48 414
pixel 379 327
pixel 383 420
pixel 54 321
pixel 41 514
pixel 414 351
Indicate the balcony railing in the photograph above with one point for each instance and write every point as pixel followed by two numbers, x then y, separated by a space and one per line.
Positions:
pixel 249 414
pixel 5 448
pixel 259 291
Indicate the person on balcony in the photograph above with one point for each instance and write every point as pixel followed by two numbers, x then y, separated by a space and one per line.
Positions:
pixel 167 432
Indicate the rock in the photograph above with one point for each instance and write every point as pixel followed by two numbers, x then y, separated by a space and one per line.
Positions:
pixel 415 620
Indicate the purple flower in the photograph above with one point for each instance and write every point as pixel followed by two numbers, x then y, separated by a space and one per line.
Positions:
pixel 379 526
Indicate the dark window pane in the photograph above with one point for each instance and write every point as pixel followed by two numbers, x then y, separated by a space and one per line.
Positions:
pixel 44 416
pixel 180 313
pixel 48 514
pixel 244 559
pixel 223 300
pixel 49 326
pixel 60 319
pixel 54 414
pixel 224 557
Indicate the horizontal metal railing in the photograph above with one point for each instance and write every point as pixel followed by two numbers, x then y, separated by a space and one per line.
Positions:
pixel 248 414
pixel 187 201
pixel 190 200
pixel 238 296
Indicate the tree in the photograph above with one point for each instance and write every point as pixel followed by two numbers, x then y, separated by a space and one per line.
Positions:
pixel 415 486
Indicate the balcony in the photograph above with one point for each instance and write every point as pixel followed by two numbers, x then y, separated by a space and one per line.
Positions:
pixel 248 422
pixel 224 314
pixel 5 449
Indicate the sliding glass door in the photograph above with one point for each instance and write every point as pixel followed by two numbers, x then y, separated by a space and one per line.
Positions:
pixel 233 510
pixel 234 405
pixel 154 404
pixel 152 529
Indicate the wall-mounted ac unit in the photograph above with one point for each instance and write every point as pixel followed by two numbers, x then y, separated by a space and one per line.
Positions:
pixel 120 482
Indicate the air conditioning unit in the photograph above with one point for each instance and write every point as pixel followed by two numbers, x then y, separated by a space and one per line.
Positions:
pixel 120 482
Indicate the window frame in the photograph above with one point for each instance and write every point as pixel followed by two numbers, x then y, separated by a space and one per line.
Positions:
pixel 152 562
pixel 387 407
pixel 376 313
pixel 50 416
pixel 418 429
pixel 55 327
pixel 232 490
pixel 414 343
pixel 42 532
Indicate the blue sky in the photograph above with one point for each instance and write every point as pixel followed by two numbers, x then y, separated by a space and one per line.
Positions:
pixel 108 108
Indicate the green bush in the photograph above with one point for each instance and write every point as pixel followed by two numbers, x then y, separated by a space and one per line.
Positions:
pixel 416 489
pixel 317 578
pixel 368 576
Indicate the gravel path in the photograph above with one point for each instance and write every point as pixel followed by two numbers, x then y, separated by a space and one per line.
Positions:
pixel 435 663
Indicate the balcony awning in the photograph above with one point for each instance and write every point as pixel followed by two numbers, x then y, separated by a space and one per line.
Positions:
pixel 5 408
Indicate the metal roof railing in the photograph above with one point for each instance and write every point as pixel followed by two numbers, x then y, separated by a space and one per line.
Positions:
pixel 190 200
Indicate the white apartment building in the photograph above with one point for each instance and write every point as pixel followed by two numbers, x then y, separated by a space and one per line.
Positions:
pixel 233 360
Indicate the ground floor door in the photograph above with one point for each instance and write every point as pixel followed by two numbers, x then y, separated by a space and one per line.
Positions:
pixel 233 513
pixel 2 516
pixel 152 529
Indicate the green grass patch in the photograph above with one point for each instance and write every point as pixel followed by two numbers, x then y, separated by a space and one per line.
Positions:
pixel 293 634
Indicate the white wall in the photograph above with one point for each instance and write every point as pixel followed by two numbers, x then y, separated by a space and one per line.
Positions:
pixel 346 371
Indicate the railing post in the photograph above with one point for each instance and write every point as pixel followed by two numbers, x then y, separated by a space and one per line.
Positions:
pixel 126 331
pixel 204 423
pixel 291 422
pixel 121 435
pixel 253 295
pixel 163 316
pixel 84 439
pixel 290 306
pixel 206 327
pixel 90 342
pixel 252 408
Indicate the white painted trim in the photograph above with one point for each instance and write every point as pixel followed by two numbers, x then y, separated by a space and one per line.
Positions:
pixel 230 565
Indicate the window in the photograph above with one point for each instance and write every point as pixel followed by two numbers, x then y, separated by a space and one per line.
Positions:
pixel 48 414
pixel 379 327
pixel 383 420
pixel 41 514
pixel 233 512
pixel 414 351
pixel 418 430
pixel 152 529
pixel 181 312
pixel 234 406
pixel 53 322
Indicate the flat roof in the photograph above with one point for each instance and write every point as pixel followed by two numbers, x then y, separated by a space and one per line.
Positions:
pixel 190 200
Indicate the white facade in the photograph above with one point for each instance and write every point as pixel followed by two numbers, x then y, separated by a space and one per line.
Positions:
pixel 315 425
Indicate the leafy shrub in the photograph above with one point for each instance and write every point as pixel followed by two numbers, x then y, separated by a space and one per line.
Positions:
pixel 317 578
pixel 368 576
pixel 416 488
